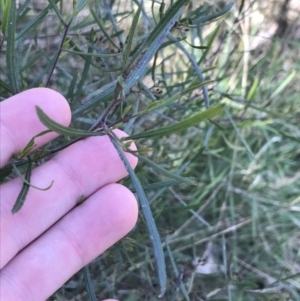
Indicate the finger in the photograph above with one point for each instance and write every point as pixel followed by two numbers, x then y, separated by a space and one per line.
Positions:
pixel 19 121
pixel 74 241
pixel 78 171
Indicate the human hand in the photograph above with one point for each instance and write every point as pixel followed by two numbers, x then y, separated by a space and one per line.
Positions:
pixel 51 238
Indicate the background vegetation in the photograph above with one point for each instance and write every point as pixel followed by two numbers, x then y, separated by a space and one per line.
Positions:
pixel 224 190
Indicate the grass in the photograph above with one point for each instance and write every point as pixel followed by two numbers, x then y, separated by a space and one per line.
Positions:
pixel 234 235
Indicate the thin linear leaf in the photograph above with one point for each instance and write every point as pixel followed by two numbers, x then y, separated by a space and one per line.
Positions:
pixel 25 180
pixel 38 80
pixel 249 151
pixel 283 84
pixel 164 172
pixel 62 130
pixel 162 9
pixel 179 283
pixel 181 125
pixel 195 66
pixel 209 42
pixel 202 10
pixel 88 284
pixel 160 185
pixel 5 86
pixel 59 15
pixel 80 6
pixel 33 59
pixel 241 6
pixel 87 21
pixel 170 16
pixel 126 110
pixel 197 47
pixel 111 17
pixel 5 7
pixel 252 90
pixel 205 19
pixel 105 93
pixel 4 172
pixel 33 23
pixel 56 57
pixel 130 36
pixel 154 235
pixel 163 103
pixel 103 30
pixel 23 9
pixel 30 145
pixel 94 54
pixel 24 191
pixel 71 90
pixel 168 43
pixel 12 69
pixel 86 67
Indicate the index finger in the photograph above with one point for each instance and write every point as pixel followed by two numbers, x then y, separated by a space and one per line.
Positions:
pixel 19 121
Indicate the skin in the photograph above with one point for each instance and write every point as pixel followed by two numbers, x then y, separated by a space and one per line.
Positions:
pixel 51 238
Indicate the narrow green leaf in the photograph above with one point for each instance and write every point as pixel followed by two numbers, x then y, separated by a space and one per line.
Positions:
pixel 130 36
pixel 179 284
pixel 162 9
pixel 27 181
pixel 168 43
pixel 87 54
pixel 168 18
pixel 4 86
pixel 161 185
pixel 88 284
pixel 253 89
pixel 240 136
pixel 38 154
pixel 23 8
pixel 59 15
pixel 5 7
pixel 37 19
pixel 126 110
pixel 62 130
pixel 103 30
pixel 105 93
pixel 212 17
pixel 33 59
pixel 24 191
pixel 201 10
pixel 30 145
pixel 56 57
pixel 71 90
pixel 241 6
pixel 196 68
pixel 163 103
pixel 80 5
pixel 154 235
pixel 181 125
pixel 4 172
pixel 209 43
pixel 197 47
pixel 86 67
pixel 283 84
pixel 196 80
pixel 86 22
pixel 164 172
pixel 38 80
pixel 12 64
